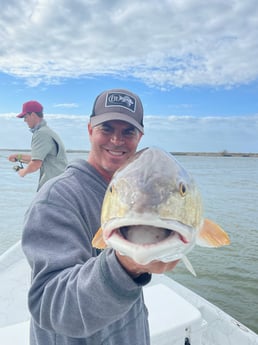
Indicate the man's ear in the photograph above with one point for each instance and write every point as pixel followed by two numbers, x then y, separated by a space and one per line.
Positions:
pixel 89 129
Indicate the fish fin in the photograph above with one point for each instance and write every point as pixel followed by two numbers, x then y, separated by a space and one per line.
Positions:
pixel 98 241
pixel 212 235
pixel 188 265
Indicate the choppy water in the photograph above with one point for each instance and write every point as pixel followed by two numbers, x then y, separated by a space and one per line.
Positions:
pixel 226 276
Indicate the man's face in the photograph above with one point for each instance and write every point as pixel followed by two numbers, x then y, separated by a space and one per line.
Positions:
pixel 112 143
pixel 31 119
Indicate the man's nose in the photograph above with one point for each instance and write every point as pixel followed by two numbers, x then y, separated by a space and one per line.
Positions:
pixel 117 138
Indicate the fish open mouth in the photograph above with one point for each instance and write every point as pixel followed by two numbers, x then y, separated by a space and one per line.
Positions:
pixel 144 243
pixel 148 235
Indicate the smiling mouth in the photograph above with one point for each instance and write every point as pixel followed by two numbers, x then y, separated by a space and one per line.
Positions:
pixel 116 153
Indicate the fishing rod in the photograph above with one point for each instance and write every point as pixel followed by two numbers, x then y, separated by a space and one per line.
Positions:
pixel 18 166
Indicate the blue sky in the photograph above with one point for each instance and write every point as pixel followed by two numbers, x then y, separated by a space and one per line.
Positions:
pixel 189 60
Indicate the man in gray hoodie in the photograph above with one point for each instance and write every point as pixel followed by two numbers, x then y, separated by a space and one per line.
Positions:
pixel 77 295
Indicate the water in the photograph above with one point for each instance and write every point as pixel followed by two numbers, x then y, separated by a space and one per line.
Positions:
pixel 228 277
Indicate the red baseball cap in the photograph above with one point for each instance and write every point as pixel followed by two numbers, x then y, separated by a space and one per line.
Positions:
pixel 29 107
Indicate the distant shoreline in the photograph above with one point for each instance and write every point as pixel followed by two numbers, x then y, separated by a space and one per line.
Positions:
pixel 204 154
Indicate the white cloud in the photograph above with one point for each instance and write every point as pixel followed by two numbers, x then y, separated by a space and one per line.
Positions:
pixel 173 133
pixel 66 105
pixel 168 43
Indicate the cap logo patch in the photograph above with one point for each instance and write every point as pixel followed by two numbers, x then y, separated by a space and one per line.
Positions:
pixel 118 99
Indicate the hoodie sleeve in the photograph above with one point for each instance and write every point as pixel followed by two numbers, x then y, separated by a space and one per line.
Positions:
pixel 72 292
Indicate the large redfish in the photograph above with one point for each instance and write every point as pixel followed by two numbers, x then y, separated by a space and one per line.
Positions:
pixel 152 210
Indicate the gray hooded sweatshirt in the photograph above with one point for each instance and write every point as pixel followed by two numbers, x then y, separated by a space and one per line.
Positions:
pixel 77 296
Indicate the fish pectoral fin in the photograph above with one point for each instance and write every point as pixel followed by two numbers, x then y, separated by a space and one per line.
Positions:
pixel 212 235
pixel 98 241
pixel 188 265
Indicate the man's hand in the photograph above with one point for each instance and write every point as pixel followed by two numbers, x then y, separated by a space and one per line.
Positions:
pixel 135 270
pixel 13 157
pixel 22 172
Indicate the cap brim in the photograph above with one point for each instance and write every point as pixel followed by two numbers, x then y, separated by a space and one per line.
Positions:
pixel 98 119
pixel 21 115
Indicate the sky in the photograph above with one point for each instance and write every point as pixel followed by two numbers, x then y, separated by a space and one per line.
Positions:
pixel 192 62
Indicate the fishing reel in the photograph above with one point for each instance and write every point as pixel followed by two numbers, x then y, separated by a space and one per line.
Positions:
pixel 19 166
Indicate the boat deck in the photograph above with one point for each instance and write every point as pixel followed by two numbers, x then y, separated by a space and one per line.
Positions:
pixel 177 315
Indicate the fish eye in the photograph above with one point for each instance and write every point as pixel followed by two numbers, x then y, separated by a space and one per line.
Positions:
pixel 182 189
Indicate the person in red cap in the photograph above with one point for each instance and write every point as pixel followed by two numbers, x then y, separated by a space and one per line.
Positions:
pixel 47 150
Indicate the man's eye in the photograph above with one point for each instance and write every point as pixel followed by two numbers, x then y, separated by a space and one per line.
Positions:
pixel 106 129
pixel 129 131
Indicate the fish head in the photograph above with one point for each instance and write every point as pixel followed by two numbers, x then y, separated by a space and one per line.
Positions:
pixel 152 208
